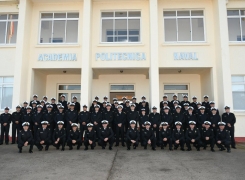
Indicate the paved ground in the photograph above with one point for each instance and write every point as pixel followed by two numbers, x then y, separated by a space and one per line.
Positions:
pixel 120 164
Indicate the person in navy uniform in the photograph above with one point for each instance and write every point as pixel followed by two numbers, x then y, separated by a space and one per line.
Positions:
pixel 37 118
pixel 60 116
pixel 155 120
pixel 194 103
pixel 207 136
pixel 173 108
pixel 185 100
pixel 205 103
pixel 165 99
pixel 124 99
pixel 35 96
pixel 165 136
pixel 214 119
pixel 148 136
pixel 143 98
pixel 132 114
pixel 34 107
pixel 137 108
pixel 230 120
pixel 43 137
pixel 96 118
pixel 165 104
pixel 63 102
pixel 178 136
pixel 185 108
pixel 132 135
pixel 166 116
pixel 89 137
pixel 142 119
pixel 53 103
pixel 16 122
pixel 49 116
pixel 106 135
pixel 84 118
pixel 178 115
pixel 27 117
pixel 202 117
pixel 71 117
pixel 189 117
pixel 105 98
pixel 23 108
pixel 74 137
pixel 193 136
pixel 143 106
pixel 120 120
pixel 5 120
pixel 175 98
pixel 43 104
pixel 77 104
pixel 212 105
pixel 59 136
pixel 25 138
pixel 97 99
pixel 92 107
pixel 103 108
pixel 223 138
pixel 108 115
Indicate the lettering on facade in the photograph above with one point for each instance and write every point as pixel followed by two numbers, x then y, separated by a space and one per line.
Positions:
pixel 57 57
pixel 123 56
pixel 185 56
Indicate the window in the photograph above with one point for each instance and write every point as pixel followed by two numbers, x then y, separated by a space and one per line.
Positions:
pixel 184 26
pixel 122 87
pixel 178 89
pixel 238 92
pixel 59 27
pixel 6 91
pixel 8 28
pixel 69 90
pixel 236 25
pixel 123 26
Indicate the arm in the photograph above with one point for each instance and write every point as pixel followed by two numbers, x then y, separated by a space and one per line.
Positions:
pixel 111 133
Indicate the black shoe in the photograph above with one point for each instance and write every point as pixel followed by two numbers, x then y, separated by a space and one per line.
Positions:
pixel 234 147
pixel 20 150
pixel 116 145
pixel 145 147
pixel 7 143
pixel 162 147
pixel 228 150
pixel 204 148
pixel 212 149
pixel 78 147
pixel 123 145
pixel 175 148
pixel 1 143
pixel 134 147
pixel 46 148
pixel 86 148
pixel 70 148
pixel 57 148
pixel 182 149
pixel 110 148
pixel 62 149
pixel 153 149
pixel 13 143
pixel 170 149
pixel 198 149
pixel 30 151
pixel 103 147
pixel 189 149
pixel 92 147
pixel 128 148
pixel 40 149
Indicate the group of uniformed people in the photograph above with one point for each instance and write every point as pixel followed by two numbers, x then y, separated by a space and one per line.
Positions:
pixel 178 123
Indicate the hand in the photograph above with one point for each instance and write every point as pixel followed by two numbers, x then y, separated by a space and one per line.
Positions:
pixel 56 142
pixel 90 142
pixel 120 125
pixel 58 139
pixel 207 138
pixel 70 122
pixel 74 141
pixel 177 142
pixel 42 142
pixel 84 123
pixel 229 125
pixel 133 141
pixel 36 123
pixel 26 143
pixel 106 139
pixel 149 142
pixel 213 125
pixel 95 123
pixel 203 125
pixel 17 122
pixel 219 142
pixel 165 139
pixel 193 140
pixel 154 125
pixel 4 124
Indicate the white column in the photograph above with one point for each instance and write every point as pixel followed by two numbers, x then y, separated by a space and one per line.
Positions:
pixel 22 53
pixel 223 87
pixel 154 68
pixel 86 72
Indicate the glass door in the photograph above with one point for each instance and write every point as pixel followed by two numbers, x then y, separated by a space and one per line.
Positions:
pixel 69 90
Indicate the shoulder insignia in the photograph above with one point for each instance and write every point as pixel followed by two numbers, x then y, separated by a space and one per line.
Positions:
pixel 197 128
pixel 54 129
pixel 64 128
pixel 211 129
pixel 109 127
pixel 38 128
pixel 48 128
pixel 79 131
pixel 30 130
pixel 187 128
pixel 70 130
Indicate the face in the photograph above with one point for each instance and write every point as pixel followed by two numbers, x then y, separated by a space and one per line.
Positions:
pixel 62 98
pixel 207 126
pixel 104 104
pixel 44 126
pixel 221 127
pixel 45 99
pixel 164 126
pixel 96 109
pixel 227 110
pixel 178 110
pixel 214 111
pixel 175 104
pixel 132 125
pixel 25 128
pixel 134 100
pixel 143 112
pixel 61 110
pixel 132 108
pixel 166 110
pixel 174 97
pixel 28 110
pixel 52 101
pixel 71 107
pixel 39 109
pixel 18 109
pixel 195 100
pixel 165 98
pixel 104 125
pixel 42 103
pixel 178 126
pixel 74 128
pixel 60 126
pixel 25 105
pixel 90 128
pixel 120 109
pixel 49 109
pixel 211 105
pixel 192 126
pixel 154 110
pixel 147 126
pixel 35 98
pixel 108 108
pixel 34 105
pixel 84 108
pixel 74 99
pixel 185 98
pixel 143 104
pixel 205 99
pixel 6 111
pixel 190 111
pixel 202 110
pixel 94 102
pixel 105 99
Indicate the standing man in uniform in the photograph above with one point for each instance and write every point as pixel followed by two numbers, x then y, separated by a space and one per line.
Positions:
pixel 142 119
pixel 71 117
pixel 54 109
pixel 49 116
pixel 108 115
pixel 35 96
pixel 16 122
pixel 167 117
pixel 63 102
pixel 155 120
pixel 106 135
pixel 137 108
pixel 120 120
pixel 59 136
pixel 84 119
pixel 60 116
pixel 194 103
pixel 43 137
pixel 74 137
pixel 205 103
pixel 23 109
pixel 165 98
pixel 202 117
pixel 132 115
pixel 5 120
pixel 77 104
pixel 223 138
pixel 175 98
pixel 178 116
pixel 25 137
pixel 132 135
pixel 148 136
pixel 37 118
pixel 90 137
pixel 230 120
pixel 96 118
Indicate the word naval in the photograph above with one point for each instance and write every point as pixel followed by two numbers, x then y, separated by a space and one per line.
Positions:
pixel 178 123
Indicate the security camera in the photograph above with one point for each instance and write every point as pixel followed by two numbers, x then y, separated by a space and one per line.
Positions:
pixel 121 71
pixel 64 71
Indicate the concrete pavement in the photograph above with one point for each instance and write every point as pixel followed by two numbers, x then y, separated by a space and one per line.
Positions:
pixel 120 164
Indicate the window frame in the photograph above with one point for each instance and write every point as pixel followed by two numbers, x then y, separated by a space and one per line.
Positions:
pixel 57 19
pixel 113 84
pixel 6 28
pixel 240 23
pixel 177 91
pixel 184 17
pixel 2 85
pixel 125 18
pixel 238 83
pixel 69 92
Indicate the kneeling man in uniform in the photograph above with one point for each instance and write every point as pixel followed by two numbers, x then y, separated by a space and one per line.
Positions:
pixel 106 135
pixel 90 137
pixel 25 137
pixel 59 136
pixel 43 136
pixel 132 135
